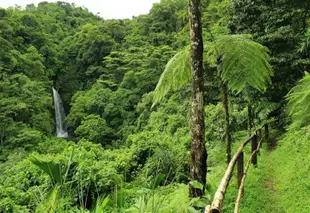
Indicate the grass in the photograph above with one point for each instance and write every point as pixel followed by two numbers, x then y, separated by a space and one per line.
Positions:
pixel 291 164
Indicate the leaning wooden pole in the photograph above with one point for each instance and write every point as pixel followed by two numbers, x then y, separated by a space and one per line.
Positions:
pixel 216 206
pixel 241 187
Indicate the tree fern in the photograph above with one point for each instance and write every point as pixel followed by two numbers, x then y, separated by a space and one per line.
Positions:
pixel 243 62
pixel 177 73
pixel 299 103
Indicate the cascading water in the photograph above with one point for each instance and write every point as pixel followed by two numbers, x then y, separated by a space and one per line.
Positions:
pixel 61 129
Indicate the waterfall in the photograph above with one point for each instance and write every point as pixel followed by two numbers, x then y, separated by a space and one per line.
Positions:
pixel 61 129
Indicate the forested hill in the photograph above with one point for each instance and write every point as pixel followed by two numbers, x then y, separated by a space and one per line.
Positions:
pixel 125 152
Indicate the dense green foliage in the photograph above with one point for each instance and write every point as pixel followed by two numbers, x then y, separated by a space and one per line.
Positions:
pixel 123 154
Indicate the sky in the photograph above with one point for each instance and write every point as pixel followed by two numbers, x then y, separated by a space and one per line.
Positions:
pixel 108 9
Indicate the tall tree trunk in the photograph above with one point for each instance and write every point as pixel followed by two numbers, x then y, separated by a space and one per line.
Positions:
pixel 198 169
pixel 227 121
pixel 250 119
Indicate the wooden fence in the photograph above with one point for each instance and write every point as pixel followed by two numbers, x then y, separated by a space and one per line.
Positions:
pixel 256 141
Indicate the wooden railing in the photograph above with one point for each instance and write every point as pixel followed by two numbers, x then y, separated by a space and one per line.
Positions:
pixel 256 141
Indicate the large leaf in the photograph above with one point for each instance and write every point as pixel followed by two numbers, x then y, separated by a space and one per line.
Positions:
pixel 49 167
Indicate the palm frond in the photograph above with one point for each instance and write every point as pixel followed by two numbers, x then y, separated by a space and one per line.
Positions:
pixel 49 167
pixel 243 62
pixel 298 106
pixel 177 73
pixel 304 46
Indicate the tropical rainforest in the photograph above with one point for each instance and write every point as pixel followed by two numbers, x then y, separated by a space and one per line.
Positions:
pixel 155 106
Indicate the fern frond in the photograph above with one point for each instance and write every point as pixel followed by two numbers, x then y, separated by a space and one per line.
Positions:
pixel 298 106
pixel 177 73
pixel 243 61
pixel 263 108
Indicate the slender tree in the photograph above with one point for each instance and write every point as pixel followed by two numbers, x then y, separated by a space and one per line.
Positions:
pixel 227 121
pixel 250 119
pixel 198 169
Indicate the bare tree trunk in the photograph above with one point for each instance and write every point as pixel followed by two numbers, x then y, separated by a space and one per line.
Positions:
pixel 227 122
pixel 198 169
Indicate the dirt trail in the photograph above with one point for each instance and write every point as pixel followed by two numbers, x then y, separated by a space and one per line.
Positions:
pixel 270 179
pixel 273 144
pixel 269 183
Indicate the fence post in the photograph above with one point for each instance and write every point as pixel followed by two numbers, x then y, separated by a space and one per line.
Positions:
pixel 259 136
pixel 254 147
pixel 266 133
pixel 240 168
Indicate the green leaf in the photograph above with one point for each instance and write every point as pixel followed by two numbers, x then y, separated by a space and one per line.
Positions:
pixel 157 181
pixel 191 209
pixel 121 195
pixel 100 206
pixel 196 184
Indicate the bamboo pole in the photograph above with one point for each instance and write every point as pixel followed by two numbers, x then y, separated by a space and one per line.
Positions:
pixel 216 205
pixel 241 187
